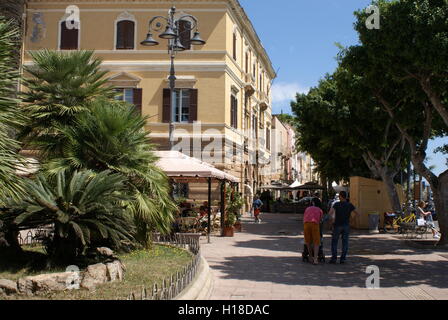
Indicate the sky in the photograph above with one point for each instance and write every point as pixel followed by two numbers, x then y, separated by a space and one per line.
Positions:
pixel 300 37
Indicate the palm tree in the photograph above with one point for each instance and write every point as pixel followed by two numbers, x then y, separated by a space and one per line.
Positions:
pixel 10 117
pixel 84 208
pixel 13 10
pixel 111 136
pixel 59 87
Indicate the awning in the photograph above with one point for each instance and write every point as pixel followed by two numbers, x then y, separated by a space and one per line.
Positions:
pixel 177 164
pixel 275 187
pixel 309 186
pixel 295 184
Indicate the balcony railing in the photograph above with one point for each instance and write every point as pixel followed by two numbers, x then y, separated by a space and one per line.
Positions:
pixel 249 81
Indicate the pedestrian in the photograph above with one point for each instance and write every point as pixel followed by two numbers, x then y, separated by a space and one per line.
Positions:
pixel 311 220
pixel 340 214
pixel 257 208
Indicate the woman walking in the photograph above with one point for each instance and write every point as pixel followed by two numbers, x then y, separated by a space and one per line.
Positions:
pixel 311 220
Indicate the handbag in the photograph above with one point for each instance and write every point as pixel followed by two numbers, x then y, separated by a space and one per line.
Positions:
pixel 421 222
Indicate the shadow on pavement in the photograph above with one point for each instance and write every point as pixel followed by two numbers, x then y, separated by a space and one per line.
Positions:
pixel 292 271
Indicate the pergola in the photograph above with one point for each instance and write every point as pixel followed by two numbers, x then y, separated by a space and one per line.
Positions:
pixel 182 168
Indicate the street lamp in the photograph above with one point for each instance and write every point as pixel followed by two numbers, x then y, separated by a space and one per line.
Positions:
pixel 172 33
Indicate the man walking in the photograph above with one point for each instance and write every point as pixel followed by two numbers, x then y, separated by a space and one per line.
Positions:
pixel 340 214
pixel 257 208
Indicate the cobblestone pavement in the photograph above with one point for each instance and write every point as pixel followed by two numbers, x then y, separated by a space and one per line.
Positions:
pixel 264 262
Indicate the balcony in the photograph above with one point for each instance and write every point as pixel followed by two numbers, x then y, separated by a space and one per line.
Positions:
pixel 249 83
pixel 264 101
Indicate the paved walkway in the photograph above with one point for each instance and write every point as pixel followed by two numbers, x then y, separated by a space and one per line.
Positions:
pixel 264 262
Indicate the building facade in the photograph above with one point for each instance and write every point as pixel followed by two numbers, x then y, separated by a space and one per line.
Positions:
pixel 222 113
pixel 288 165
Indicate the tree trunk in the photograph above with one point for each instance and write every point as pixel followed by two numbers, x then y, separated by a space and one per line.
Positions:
pixel 441 205
pixel 387 175
pixel 439 187
pixel 435 98
pixel 388 178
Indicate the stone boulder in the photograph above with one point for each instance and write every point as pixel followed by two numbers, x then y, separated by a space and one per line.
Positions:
pixel 8 287
pixel 115 271
pixel 46 283
pixel 106 252
pixel 94 275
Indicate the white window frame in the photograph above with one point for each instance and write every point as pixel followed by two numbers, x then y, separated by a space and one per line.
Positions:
pixel 179 91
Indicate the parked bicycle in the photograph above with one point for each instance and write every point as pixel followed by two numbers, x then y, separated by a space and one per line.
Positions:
pixel 397 222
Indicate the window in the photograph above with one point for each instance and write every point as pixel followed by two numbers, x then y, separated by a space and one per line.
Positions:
pixel 69 37
pixel 182 105
pixel 131 96
pixel 234 112
pixel 125 35
pixel 180 190
pixel 268 139
pixel 254 127
pixel 185 33
pixel 247 62
pixel 125 94
pixel 185 105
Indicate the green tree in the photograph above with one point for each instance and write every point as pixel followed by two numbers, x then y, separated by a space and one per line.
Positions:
pixel 59 86
pixel 10 117
pixel 84 208
pixel 285 118
pixel 111 136
pixel 380 143
pixel 320 120
pixel 413 43
pixel 405 65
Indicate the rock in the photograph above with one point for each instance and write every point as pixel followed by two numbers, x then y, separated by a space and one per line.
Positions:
pixel 8 286
pixel 94 275
pixel 46 283
pixel 115 271
pixel 105 252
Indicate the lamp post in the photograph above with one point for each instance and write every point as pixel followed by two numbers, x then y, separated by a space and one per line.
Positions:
pixel 173 34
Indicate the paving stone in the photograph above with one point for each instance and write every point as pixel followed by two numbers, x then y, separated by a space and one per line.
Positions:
pixel 265 264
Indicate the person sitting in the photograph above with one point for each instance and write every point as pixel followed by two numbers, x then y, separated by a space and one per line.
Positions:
pixel 203 215
pixel 187 211
pixel 427 215
pixel 203 210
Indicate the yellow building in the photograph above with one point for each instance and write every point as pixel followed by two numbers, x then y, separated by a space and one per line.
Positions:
pixel 370 196
pixel 223 104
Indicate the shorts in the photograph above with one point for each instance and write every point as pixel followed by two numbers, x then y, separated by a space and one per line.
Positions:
pixel 256 212
pixel 312 233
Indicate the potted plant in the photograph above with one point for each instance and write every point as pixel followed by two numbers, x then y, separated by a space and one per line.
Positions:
pixel 235 203
pixel 228 224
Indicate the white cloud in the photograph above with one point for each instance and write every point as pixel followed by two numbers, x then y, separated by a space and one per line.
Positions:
pixel 282 91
